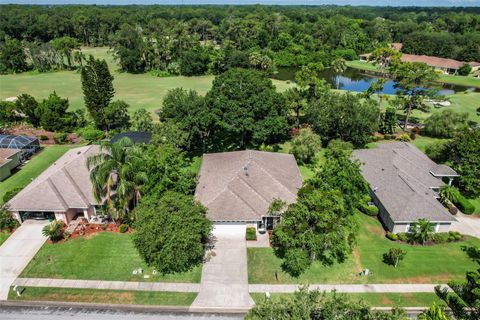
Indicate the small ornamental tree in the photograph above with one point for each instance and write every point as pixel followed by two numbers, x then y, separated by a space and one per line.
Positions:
pixel 171 232
pixel 421 231
pixel 306 145
pixel 142 121
pixel 394 256
pixel 54 230
pixel 7 222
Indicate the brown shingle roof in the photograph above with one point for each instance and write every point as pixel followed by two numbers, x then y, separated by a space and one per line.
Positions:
pixel 240 185
pixel 5 155
pixel 65 184
pixel 399 174
pixel 433 61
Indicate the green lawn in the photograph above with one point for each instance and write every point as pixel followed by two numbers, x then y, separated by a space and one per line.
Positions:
pixel 3 236
pixel 105 296
pixel 421 142
pixel 138 90
pixel 37 164
pixel 428 264
pixel 374 299
pixel 103 256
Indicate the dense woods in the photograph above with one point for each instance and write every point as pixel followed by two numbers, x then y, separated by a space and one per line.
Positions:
pixel 197 40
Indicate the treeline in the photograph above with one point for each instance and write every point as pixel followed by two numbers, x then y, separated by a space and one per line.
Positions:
pixel 199 39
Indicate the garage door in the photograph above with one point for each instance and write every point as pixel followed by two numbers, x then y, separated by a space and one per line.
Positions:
pixel 229 229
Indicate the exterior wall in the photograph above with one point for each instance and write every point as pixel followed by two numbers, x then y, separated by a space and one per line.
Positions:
pixel 400 227
pixel 91 212
pixel 15 161
pixel 4 172
pixel 70 214
pixel 382 212
pixel 444 227
pixel 61 216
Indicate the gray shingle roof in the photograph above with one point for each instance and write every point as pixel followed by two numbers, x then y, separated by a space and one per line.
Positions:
pixel 65 184
pixel 401 178
pixel 240 185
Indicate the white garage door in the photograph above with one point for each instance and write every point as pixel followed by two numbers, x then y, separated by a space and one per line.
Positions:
pixel 230 229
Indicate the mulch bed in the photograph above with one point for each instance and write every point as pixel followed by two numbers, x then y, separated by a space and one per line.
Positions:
pixel 86 229
pixel 34 132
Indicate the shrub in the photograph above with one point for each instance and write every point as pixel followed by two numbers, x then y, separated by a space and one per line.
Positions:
pixel 43 137
pixel 412 135
pixel 10 194
pixel 441 237
pixel 394 256
pixel 7 222
pixel 123 228
pixel 389 136
pixel 464 205
pixel 454 236
pixel 61 137
pixel 405 137
pixel 54 230
pixel 91 133
pixel 392 236
pixel 445 124
pixel 465 69
pixel 402 236
pixel 372 210
pixel 437 151
pixel 251 233
pixel 306 145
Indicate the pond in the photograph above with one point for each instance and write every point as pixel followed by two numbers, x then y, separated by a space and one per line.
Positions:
pixel 359 81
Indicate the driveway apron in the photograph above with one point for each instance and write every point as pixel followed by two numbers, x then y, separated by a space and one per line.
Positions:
pixel 467 224
pixel 17 251
pixel 224 283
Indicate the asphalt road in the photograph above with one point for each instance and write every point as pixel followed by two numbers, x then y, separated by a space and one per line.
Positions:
pixel 55 313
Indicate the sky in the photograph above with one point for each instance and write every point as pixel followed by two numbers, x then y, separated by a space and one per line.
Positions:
pixel 427 3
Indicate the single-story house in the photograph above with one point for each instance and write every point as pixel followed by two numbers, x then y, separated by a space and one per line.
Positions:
pixel 9 160
pixel 238 187
pixel 27 145
pixel 134 136
pixel 404 184
pixel 62 192
pixel 445 65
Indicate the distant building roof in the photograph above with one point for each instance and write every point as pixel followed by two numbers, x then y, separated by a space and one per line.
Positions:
pixel 401 177
pixel 433 61
pixel 64 185
pixel 5 155
pixel 135 136
pixel 240 185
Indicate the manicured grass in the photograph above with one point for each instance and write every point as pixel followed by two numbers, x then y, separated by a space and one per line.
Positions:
pixel 37 164
pixel 105 296
pixel 3 236
pixel 103 256
pixel 422 264
pixel 374 299
pixel 138 90
pixel 468 81
pixel 421 142
pixel 476 203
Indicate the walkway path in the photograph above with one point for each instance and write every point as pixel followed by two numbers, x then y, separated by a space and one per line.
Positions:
pixel 224 282
pixel 347 288
pixel 113 285
pixel 17 251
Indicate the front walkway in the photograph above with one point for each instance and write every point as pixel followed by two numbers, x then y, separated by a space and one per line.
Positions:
pixel 17 251
pixel 105 285
pixel 224 282
pixel 467 224
pixel 346 288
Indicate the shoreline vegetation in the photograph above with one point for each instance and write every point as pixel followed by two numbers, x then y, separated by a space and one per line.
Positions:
pixel 467 81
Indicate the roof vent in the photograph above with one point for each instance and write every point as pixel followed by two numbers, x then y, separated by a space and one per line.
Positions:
pixel 375 189
pixel 245 170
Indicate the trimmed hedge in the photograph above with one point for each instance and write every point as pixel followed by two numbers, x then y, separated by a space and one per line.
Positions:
pixel 392 236
pixel 464 205
pixel 251 233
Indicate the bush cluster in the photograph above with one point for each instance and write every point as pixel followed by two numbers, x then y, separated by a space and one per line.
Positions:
pixel 392 236
pixel 439 237
pixel 123 228
pixel 464 205
pixel 251 233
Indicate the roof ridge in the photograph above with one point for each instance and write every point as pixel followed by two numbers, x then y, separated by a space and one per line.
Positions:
pixel 241 199
pixel 273 178
pixel 252 189
pixel 75 186
pixel 57 193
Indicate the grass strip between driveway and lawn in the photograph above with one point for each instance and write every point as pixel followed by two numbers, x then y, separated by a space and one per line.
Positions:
pixel 101 256
pixel 438 263
pixel 414 299
pixel 35 166
pixel 3 236
pixel 105 296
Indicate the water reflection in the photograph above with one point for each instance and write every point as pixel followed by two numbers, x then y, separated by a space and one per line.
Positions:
pixel 359 81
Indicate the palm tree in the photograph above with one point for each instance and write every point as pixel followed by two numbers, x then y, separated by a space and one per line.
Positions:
pixel 435 312
pixel 421 231
pixel 117 176
pixel 339 66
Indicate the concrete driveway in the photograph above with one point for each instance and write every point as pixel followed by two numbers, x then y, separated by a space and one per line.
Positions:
pixel 224 281
pixel 17 251
pixel 467 224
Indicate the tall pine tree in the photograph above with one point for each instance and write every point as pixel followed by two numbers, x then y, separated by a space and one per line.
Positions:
pixel 97 85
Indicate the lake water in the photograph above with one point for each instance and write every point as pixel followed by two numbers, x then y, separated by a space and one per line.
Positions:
pixel 359 81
